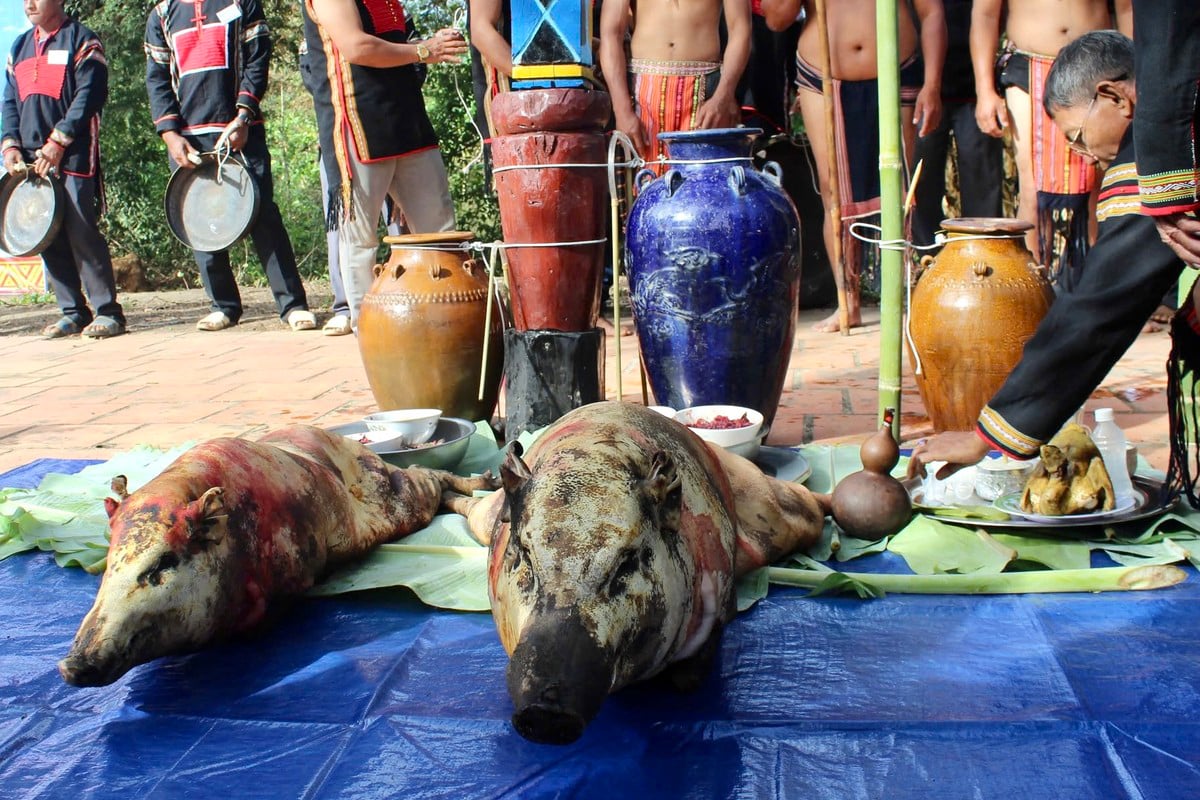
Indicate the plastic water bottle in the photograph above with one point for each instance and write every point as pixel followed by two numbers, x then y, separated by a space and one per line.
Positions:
pixel 1110 441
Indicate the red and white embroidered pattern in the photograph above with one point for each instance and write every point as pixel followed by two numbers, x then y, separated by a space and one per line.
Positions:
pixel 386 15
pixel 37 75
pixel 202 48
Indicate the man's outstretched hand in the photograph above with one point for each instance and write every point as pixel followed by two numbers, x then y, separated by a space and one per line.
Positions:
pixel 957 448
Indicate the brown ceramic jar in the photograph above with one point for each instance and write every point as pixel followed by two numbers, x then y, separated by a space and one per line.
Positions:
pixel 421 328
pixel 970 315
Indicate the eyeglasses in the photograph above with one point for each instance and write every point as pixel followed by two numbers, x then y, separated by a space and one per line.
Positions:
pixel 1077 142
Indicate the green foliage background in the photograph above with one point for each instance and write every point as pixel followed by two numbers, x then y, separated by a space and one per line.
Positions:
pixel 135 161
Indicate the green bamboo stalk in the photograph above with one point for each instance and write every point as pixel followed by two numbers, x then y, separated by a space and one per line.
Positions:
pixel 891 294
pixel 460 551
pixel 1105 579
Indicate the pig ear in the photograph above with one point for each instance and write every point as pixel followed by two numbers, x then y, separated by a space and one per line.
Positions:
pixel 120 486
pixel 514 472
pixel 662 479
pixel 212 502
pixel 210 517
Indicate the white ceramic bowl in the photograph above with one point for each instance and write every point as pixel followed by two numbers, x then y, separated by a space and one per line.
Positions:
pixel 380 442
pixel 666 411
pixel 724 437
pixel 413 425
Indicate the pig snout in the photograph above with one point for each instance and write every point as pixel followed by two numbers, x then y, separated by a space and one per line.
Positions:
pixel 109 644
pixel 558 678
pixel 77 670
pixel 92 661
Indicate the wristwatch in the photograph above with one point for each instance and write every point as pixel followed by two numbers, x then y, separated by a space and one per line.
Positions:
pixel 422 52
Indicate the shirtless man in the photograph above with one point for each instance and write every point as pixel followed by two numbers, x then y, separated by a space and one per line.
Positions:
pixel 1039 28
pixel 851 25
pixel 675 64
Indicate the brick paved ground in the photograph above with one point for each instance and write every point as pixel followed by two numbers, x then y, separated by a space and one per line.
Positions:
pixel 168 384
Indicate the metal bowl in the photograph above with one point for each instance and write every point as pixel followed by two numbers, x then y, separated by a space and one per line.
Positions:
pixel 455 435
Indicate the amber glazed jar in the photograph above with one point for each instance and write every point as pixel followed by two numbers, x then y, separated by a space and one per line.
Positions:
pixel 972 309
pixel 421 328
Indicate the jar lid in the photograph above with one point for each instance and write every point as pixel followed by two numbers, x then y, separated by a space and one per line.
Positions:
pixel 1002 225
pixel 436 237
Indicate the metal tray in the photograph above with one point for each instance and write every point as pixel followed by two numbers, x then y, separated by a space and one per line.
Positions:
pixel 1150 506
pixel 783 463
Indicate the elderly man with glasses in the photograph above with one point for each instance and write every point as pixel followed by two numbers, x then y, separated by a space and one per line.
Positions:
pixel 1091 96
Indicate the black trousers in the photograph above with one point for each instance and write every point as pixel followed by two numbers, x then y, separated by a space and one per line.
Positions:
pixel 980 171
pixel 78 260
pixel 271 241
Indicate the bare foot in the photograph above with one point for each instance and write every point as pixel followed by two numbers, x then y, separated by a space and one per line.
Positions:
pixel 832 323
pixel 1159 320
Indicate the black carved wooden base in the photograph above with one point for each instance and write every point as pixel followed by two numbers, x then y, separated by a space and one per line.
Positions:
pixel 547 374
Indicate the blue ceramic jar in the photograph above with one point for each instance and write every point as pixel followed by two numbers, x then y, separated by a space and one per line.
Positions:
pixel 713 258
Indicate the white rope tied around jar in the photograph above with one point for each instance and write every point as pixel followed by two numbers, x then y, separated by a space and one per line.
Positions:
pixel 903 245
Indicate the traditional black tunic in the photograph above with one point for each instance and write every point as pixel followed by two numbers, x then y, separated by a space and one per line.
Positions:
pixel 370 113
pixel 1089 328
pixel 1167 63
pixel 55 88
pixel 204 60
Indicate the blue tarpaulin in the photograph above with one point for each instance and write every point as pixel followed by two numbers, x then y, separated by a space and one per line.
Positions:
pixel 374 695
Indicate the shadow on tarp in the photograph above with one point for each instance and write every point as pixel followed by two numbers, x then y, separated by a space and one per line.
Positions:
pixel 374 695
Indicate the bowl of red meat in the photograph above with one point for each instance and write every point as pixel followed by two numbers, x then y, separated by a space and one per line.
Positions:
pixel 726 426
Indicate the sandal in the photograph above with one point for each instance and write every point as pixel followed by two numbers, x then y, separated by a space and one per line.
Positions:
pixel 337 325
pixel 64 326
pixel 216 321
pixel 103 328
pixel 300 319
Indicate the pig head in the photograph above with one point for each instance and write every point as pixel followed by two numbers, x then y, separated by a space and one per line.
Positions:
pixel 616 561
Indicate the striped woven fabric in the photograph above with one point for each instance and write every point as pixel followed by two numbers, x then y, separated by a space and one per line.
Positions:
pixel 668 96
pixel 1057 169
pixel 1119 193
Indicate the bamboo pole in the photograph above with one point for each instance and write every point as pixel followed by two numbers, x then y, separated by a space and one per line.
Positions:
pixel 835 197
pixel 891 294
pixel 615 289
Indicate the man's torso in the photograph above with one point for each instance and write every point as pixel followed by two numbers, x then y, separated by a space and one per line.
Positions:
pixel 1044 26
pixel 676 30
pixel 46 85
pixel 205 42
pixel 852 45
